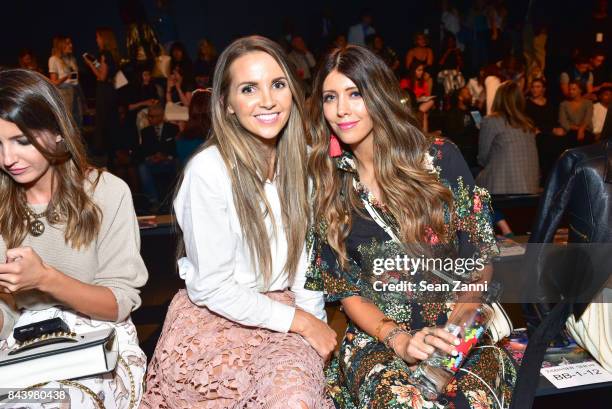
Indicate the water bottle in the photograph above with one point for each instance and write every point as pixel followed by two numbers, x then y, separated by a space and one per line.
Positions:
pixel 468 322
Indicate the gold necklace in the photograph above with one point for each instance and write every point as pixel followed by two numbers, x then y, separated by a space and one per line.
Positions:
pixel 35 226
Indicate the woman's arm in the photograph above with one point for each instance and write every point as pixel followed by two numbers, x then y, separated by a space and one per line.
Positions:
pixel 113 293
pixel 101 72
pixel 25 270
pixel 409 57
pixel 411 348
pixel 55 80
pixel 95 301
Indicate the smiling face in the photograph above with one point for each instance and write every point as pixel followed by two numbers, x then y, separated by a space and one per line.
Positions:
pixel 259 95
pixel 345 110
pixel 20 159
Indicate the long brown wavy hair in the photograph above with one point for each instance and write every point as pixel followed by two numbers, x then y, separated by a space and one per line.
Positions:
pixel 413 195
pixel 248 163
pixel 509 104
pixel 109 42
pixel 34 105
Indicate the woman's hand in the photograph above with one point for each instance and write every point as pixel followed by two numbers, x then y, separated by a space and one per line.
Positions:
pixel 558 131
pixel 420 345
pixel 23 270
pixel 317 333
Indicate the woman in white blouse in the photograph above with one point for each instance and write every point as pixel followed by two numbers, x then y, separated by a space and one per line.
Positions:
pixel 245 332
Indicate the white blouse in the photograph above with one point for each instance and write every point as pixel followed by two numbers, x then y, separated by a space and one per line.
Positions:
pixel 217 269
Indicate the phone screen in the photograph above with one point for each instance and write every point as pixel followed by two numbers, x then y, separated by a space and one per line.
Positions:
pixel 477 117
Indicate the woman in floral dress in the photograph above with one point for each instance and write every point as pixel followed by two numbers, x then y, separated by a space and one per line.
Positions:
pixel 424 194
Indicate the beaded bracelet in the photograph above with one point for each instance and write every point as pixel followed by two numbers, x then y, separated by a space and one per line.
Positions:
pixel 392 334
pixel 388 341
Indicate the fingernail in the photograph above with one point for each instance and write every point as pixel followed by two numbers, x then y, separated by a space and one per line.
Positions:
pixel 454 353
pixel 456 342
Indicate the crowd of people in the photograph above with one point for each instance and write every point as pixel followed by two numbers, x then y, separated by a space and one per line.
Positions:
pixel 562 111
pixel 281 153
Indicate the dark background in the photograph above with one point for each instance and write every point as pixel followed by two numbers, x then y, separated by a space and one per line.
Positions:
pixel 33 23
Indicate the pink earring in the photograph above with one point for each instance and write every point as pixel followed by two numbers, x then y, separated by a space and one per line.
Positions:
pixel 334 146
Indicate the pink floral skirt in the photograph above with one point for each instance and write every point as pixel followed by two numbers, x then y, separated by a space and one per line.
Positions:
pixel 203 360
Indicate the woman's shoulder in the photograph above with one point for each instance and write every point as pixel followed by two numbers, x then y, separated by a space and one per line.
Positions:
pixel 442 150
pixel 208 163
pixel 449 163
pixel 493 120
pixel 106 185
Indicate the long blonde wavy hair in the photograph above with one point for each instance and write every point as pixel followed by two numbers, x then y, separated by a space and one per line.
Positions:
pixel 59 43
pixel 248 164
pixel 412 194
pixel 34 105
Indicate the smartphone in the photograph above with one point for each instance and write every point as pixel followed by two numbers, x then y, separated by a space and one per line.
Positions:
pixel 40 328
pixel 91 59
pixel 477 117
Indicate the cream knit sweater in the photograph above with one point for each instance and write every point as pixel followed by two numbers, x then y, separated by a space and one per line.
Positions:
pixel 112 260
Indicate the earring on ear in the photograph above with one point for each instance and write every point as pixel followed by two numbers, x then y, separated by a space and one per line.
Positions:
pixel 334 146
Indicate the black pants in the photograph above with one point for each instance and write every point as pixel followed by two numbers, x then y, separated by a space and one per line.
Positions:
pixel 107 118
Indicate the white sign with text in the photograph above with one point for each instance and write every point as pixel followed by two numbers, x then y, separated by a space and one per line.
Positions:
pixel 583 373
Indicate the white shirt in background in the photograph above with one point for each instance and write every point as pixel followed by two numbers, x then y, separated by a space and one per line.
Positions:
pixel 599 117
pixel 477 91
pixel 63 67
pixel 217 269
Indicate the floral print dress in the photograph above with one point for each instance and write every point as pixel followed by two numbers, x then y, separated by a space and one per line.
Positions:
pixel 366 374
